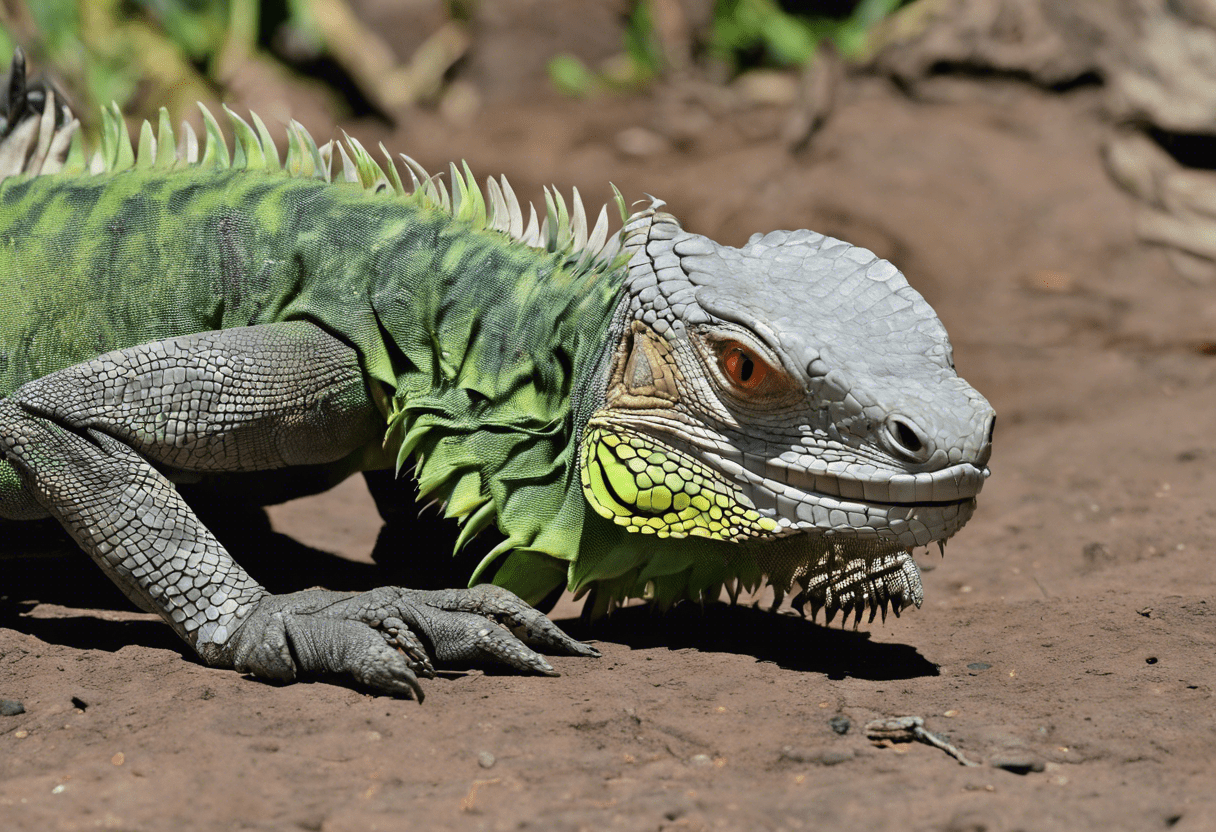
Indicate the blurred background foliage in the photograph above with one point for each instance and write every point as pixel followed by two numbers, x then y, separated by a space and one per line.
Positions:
pixel 138 53
pixel 144 54
pixel 749 32
pixel 738 35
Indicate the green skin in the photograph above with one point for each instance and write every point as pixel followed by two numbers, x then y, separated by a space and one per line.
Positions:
pixel 140 256
pixel 159 255
pixel 482 380
pixel 156 255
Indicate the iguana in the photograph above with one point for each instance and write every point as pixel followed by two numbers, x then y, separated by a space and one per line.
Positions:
pixel 646 414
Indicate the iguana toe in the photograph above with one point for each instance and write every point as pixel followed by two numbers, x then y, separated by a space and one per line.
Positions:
pixel 504 606
pixel 318 631
pixel 380 638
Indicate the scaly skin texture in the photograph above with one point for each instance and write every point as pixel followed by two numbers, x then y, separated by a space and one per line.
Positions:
pixel 795 397
pixel 664 422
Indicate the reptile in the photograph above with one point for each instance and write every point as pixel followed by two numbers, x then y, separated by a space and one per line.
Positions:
pixel 642 414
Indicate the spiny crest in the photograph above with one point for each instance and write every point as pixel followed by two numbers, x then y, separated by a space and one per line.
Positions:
pixel 38 145
pixel 43 146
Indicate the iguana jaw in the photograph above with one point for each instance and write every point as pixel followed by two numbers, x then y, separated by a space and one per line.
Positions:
pixel 764 495
pixel 836 553
pixel 885 508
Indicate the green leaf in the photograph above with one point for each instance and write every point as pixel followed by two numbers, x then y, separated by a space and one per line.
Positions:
pixel 570 76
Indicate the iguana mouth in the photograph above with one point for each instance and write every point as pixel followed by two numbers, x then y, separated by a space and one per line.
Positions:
pixel 903 509
pixel 845 544
pixel 954 485
pixel 833 551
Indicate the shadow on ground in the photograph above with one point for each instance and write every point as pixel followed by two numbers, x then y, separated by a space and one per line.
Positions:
pixel 785 639
pixel 60 574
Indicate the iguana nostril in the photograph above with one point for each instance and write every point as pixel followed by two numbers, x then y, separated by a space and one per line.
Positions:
pixel 905 438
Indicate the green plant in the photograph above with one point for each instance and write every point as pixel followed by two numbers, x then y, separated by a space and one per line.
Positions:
pixel 742 34
pixel 640 63
pixel 763 32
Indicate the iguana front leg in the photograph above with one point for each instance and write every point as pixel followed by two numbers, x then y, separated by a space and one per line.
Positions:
pixel 84 441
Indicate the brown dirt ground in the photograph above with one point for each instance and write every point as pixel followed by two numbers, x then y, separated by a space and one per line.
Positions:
pixel 1073 621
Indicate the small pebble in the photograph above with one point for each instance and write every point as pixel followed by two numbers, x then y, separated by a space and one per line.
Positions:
pixel 978 666
pixel 796 755
pixel 701 760
pixel 1050 282
pixel 767 87
pixel 840 724
pixel 831 758
pixel 11 707
pixel 821 758
pixel 638 142
pixel 1017 762
pixel 485 759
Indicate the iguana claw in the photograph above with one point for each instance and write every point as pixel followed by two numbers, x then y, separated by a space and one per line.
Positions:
pixel 380 638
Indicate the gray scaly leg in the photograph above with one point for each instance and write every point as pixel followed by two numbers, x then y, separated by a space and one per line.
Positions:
pixel 87 443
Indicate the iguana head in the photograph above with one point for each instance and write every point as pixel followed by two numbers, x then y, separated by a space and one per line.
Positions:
pixel 795 397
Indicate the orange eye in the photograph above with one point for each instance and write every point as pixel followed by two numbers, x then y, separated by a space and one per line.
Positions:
pixel 743 367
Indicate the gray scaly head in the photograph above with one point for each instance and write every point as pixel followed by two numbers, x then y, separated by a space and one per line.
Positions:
pixel 795 397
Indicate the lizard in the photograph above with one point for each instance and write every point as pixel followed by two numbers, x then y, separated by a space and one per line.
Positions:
pixel 642 414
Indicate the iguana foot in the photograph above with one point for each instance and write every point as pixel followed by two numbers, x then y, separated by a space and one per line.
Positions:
pixel 381 637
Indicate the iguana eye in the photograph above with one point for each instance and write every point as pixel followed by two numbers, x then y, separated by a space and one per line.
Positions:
pixel 744 368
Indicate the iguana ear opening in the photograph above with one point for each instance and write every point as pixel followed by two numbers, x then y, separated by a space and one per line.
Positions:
pixel 644 374
pixel 639 374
